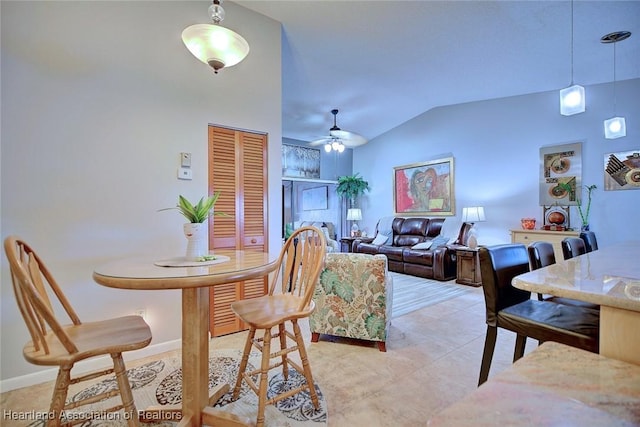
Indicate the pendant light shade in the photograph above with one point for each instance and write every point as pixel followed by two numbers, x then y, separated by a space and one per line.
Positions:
pixel 213 44
pixel 572 98
pixel 615 127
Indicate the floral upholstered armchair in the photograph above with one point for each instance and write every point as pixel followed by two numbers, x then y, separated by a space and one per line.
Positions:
pixel 353 298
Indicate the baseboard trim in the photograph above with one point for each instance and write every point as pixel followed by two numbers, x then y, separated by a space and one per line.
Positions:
pixel 86 366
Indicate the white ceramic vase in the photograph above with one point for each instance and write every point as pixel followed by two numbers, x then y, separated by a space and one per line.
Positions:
pixel 197 235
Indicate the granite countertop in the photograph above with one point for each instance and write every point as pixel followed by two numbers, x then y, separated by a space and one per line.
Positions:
pixel 551 386
pixel 609 277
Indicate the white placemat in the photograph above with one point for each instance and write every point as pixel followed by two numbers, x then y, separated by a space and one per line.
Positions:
pixel 182 261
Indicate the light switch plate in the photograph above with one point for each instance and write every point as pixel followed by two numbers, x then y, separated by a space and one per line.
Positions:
pixel 185 173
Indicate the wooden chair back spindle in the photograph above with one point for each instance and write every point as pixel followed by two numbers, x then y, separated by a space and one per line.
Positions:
pixel 303 248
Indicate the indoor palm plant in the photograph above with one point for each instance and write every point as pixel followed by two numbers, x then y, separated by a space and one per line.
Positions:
pixel 351 187
pixel 197 229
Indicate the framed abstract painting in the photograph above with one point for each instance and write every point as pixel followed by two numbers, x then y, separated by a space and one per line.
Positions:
pixel 560 168
pixel 622 170
pixel 424 188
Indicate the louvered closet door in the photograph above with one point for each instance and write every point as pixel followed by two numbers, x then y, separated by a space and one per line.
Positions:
pixel 237 168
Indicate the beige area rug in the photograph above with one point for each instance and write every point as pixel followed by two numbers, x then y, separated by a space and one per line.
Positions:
pixel 412 293
pixel 159 383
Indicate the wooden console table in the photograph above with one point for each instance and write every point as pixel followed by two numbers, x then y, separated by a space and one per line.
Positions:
pixel 554 237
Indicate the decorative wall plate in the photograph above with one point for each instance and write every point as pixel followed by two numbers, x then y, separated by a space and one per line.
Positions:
pixel 556 217
pixel 560 165
pixel 557 192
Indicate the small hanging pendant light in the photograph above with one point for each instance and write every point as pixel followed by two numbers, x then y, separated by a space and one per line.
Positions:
pixel 572 98
pixel 615 127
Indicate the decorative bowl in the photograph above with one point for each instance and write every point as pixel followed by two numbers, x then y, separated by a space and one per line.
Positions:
pixel 528 223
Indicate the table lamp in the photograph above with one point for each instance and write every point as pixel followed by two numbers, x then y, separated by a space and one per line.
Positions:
pixel 354 215
pixel 472 215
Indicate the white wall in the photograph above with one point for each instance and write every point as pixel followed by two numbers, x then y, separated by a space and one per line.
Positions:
pixel 495 145
pixel 98 100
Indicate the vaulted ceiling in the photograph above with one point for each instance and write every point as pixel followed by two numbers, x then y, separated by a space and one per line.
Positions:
pixel 382 63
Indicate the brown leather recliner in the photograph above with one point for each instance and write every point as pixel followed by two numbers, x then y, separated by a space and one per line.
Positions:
pixel 437 263
pixel 513 309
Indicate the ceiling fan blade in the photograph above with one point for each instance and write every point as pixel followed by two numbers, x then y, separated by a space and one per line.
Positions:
pixel 321 141
pixel 350 139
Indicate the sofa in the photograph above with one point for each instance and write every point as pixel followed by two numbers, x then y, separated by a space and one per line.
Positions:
pixel 415 247
pixel 353 298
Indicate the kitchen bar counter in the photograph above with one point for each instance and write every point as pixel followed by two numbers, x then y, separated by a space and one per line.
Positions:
pixel 609 277
pixel 553 385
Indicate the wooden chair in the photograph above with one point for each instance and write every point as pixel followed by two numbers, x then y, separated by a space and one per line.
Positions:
pixel 590 241
pixel 572 247
pixel 300 262
pixel 513 309
pixel 55 343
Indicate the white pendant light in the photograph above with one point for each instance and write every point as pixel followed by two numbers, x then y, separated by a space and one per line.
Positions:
pixel 213 44
pixel 572 98
pixel 615 127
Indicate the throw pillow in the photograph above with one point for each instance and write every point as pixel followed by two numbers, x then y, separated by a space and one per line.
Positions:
pixel 423 245
pixel 380 239
pixel 439 241
pixel 325 231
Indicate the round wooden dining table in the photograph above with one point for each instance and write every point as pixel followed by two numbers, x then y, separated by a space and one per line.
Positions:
pixel 193 279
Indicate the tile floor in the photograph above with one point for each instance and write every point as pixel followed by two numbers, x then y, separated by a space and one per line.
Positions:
pixel 432 360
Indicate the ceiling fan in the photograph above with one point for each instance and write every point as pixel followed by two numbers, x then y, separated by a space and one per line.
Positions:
pixel 338 139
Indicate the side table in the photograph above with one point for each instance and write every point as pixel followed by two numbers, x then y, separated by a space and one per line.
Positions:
pixel 468 267
pixel 346 243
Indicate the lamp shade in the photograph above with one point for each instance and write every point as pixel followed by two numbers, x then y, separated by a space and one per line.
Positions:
pixel 473 214
pixel 615 127
pixel 214 45
pixel 354 214
pixel 572 100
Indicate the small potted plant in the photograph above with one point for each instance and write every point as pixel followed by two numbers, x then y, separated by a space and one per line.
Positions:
pixel 197 229
pixel 584 214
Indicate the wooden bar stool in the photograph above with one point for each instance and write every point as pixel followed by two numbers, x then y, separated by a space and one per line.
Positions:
pixel 300 262
pixel 55 343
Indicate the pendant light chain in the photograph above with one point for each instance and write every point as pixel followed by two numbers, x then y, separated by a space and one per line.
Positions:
pixel 614 79
pixel 571 43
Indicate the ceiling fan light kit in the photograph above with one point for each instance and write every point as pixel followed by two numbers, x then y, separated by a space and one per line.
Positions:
pixel 336 145
pixel 214 44
pixel 616 126
pixel 339 139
